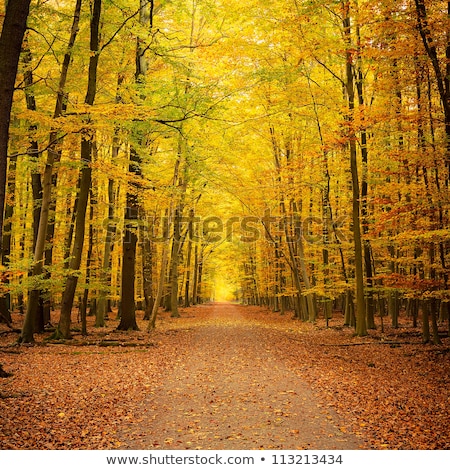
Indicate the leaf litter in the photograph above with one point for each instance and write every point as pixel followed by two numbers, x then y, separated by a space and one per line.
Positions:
pixel 226 376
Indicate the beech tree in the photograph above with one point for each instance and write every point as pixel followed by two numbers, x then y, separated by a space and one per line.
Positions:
pixel 87 143
pixel 361 328
pixel 132 210
pixel 44 189
pixel 13 30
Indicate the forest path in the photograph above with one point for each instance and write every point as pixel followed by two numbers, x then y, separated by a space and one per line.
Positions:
pixel 228 387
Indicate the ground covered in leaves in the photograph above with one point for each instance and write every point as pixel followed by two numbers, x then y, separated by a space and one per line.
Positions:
pixel 226 376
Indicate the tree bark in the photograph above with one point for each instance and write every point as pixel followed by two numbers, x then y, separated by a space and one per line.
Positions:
pixel 370 304
pixel 104 272
pixel 190 234
pixel 77 250
pixel 27 335
pixel 128 303
pixel 361 324
pixel 442 76
pixel 85 182
pixel 36 182
pixel 84 303
pixel 129 244
pixel 102 306
pixel 162 273
pixel 14 26
pixel 5 301
pixel 147 274
pixel 174 265
pixel 13 30
pixel 195 280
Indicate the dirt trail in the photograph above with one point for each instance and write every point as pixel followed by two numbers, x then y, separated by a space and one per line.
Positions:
pixel 228 388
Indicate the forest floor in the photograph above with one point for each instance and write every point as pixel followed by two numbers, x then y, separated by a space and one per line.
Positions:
pixel 226 376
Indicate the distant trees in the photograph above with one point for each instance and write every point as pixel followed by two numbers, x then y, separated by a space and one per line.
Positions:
pixel 375 76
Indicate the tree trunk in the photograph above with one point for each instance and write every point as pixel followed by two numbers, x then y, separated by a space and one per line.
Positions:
pixel 78 244
pixel 104 273
pixel 349 309
pixel 310 302
pixel 199 292
pixel 278 288
pixel 36 183
pixel 174 264
pixel 195 280
pixel 13 30
pixel 162 275
pixel 147 274
pixel 93 201
pixel 5 301
pixel 442 76
pixel 35 295
pixel 128 304
pixel 370 304
pixel 425 321
pixel 190 234
pixel 102 307
pixel 361 325
pixel 434 323
pixel 130 238
pixel 85 182
pixel 284 221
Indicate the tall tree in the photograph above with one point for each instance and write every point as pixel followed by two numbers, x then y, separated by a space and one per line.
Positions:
pixel 13 30
pixel 87 144
pixel 27 335
pixel 441 71
pixel 361 322
pixel 132 212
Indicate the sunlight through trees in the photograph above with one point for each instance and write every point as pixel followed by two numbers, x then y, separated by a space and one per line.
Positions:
pixel 291 154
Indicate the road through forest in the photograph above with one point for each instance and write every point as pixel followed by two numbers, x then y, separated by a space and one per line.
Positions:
pixel 228 387
pixel 225 376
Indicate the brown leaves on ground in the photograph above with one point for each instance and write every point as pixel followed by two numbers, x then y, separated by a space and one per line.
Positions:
pixel 391 394
pixel 228 389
